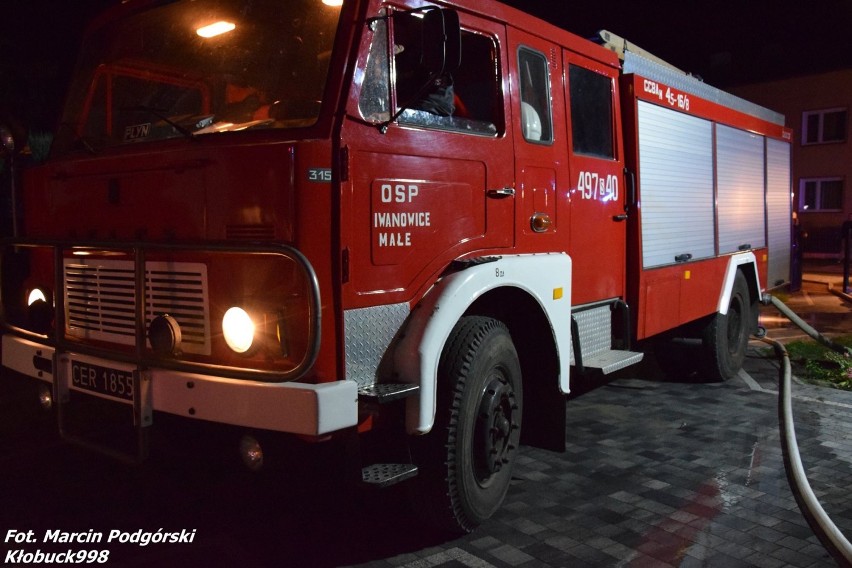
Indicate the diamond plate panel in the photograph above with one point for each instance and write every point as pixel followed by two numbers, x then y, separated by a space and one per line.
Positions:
pixel 595 326
pixel 368 333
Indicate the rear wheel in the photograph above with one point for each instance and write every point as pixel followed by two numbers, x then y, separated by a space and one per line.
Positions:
pixel 466 460
pixel 726 336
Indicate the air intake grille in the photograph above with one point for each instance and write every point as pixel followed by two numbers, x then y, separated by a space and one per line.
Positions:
pixel 100 300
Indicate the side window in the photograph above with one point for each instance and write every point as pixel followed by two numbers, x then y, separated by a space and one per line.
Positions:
pixel 591 112
pixel 536 122
pixel 468 99
pixel 374 102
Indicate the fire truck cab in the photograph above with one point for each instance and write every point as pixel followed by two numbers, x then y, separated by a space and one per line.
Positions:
pixel 296 217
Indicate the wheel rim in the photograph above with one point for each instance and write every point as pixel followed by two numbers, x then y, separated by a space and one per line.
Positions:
pixel 495 422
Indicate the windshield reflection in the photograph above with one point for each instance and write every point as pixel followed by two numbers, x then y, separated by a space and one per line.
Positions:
pixel 198 67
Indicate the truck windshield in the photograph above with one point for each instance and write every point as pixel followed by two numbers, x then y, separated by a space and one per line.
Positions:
pixel 194 67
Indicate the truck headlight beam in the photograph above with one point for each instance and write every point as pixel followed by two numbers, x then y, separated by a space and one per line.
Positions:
pixel 238 329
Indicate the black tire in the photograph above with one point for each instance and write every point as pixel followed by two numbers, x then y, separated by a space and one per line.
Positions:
pixel 726 336
pixel 466 460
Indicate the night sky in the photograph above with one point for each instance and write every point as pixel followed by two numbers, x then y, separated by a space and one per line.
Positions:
pixel 724 41
pixel 38 44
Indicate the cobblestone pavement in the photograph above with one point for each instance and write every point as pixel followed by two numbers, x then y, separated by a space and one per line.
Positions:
pixel 670 474
pixel 657 473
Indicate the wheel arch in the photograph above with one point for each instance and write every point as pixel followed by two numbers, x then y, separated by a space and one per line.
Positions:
pixel 746 264
pixel 538 353
pixel 531 294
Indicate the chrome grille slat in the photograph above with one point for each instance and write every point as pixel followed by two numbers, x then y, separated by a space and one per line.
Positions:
pixel 100 299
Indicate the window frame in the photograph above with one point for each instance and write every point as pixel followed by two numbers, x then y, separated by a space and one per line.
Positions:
pixel 821 114
pixel 803 207
pixel 454 123
pixel 575 111
pixel 547 128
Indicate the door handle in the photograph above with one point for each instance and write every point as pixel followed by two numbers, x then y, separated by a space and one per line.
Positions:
pixel 622 217
pixel 501 193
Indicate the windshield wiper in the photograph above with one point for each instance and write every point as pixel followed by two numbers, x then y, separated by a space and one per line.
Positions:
pixel 160 113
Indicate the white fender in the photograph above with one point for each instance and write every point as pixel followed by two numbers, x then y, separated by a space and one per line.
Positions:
pixel 546 277
pixel 734 262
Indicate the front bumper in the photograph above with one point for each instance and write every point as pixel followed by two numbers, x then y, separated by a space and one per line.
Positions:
pixel 291 407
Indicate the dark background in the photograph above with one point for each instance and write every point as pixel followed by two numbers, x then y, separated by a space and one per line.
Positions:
pixel 726 42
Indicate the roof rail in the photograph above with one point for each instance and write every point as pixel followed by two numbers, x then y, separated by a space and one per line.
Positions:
pixel 641 62
pixel 621 46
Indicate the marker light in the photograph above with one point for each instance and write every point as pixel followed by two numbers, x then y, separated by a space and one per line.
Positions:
pixel 334 3
pixel 45 397
pixel 251 452
pixel 238 329
pixel 216 28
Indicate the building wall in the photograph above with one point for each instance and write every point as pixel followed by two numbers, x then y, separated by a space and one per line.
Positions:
pixel 823 164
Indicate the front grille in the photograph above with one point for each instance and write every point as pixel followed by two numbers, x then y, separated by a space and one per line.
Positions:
pixel 100 300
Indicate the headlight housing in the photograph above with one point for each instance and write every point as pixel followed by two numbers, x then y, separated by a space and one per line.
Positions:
pixel 241 313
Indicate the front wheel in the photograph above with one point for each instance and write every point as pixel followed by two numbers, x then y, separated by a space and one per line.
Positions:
pixel 726 336
pixel 466 460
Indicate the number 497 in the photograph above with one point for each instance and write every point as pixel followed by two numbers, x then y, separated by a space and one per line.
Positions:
pixel 592 185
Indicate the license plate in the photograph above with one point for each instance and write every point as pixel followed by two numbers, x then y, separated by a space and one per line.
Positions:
pixel 102 380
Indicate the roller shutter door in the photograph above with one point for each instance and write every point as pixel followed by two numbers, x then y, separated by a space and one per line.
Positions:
pixel 779 211
pixel 676 181
pixel 740 171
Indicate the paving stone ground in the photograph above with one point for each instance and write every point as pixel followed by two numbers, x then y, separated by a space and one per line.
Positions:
pixel 677 473
pixel 669 474
pixel 657 473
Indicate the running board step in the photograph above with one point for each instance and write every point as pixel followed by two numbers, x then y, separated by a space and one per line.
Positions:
pixel 612 360
pixel 387 474
pixel 386 392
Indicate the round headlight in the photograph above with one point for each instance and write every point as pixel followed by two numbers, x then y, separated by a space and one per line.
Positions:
pixel 39 311
pixel 35 295
pixel 238 329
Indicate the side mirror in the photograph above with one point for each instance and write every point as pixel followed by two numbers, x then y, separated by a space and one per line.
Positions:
pixel 441 42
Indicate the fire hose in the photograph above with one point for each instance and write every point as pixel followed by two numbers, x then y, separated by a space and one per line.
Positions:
pixel 822 525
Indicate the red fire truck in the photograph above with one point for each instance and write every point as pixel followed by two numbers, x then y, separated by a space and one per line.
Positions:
pixel 406 224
